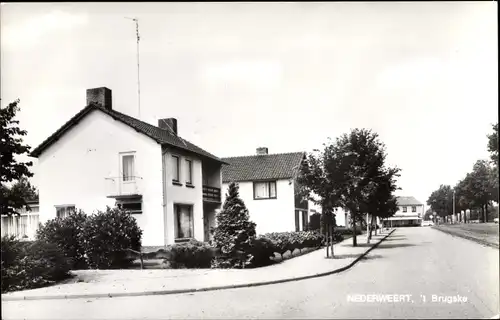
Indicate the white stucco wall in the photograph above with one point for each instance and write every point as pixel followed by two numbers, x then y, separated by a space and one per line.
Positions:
pixel 409 212
pixel 176 194
pixel 73 171
pixel 270 215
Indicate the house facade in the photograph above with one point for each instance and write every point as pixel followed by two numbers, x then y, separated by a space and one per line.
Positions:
pixel 102 157
pixel 410 213
pixel 24 225
pixel 268 187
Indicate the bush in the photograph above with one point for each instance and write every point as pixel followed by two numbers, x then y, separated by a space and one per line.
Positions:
pixel 261 251
pixel 192 254
pixel 315 222
pixel 347 231
pixel 31 265
pixel 67 234
pixel 107 236
pixel 289 241
pixel 234 232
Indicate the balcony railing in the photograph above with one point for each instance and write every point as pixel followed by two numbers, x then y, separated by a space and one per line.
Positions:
pixel 118 186
pixel 211 194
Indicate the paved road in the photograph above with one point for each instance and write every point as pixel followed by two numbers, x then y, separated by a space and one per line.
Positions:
pixel 413 261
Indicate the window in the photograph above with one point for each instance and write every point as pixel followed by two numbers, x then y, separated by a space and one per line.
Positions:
pixel 23 226
pixel 404 209
pixel 413 209
pixel 264 190
pixel 10 226
pixel 133 205
pixel 64 211
pixel 175 169
pixel 184 221
pixel 189 172
pixel 128 167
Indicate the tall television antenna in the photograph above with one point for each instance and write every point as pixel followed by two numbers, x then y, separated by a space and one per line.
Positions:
pixel 138 70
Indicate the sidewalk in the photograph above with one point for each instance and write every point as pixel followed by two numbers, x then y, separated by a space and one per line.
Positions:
pixel 116 283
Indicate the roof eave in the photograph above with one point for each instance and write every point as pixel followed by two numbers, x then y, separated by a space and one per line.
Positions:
pixel 252 180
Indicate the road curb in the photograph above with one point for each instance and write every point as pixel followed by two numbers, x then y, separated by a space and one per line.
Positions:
pixel 179 291
pixel 457 234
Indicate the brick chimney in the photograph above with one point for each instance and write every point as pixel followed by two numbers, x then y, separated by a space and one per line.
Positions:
pixel 262 151
pixel 100 96
pixel 169 124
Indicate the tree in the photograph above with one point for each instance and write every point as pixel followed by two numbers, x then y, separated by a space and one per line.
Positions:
pixel 234 232
pixel 361 159
pixel 428 213
pixel 480 184
pixel 493 144
pixel 441 201
pixel 316 184
pixel 382 202
pixel 11 145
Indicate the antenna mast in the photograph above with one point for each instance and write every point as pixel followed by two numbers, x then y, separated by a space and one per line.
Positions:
pixel 138 69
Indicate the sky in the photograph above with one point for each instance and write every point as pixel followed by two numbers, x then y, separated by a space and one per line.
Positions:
pixel 237 76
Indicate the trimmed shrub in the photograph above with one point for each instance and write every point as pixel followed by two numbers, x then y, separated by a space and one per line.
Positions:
pixel 289 241
pixel 107 236
pixel 261 251
pixel 192 254
pixel 234 232
pixel 347 231
pixel 67 234
pixel 31 265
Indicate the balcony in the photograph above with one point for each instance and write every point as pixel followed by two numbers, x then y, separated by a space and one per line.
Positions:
pixel 118 187
pixel 211 194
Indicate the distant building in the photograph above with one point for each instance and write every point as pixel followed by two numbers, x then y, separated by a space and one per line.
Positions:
pixel 410 213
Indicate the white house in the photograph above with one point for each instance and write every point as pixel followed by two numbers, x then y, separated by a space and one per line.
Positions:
pixel 410 213
pixel 103 157
pixel 24 225
pixel 268 187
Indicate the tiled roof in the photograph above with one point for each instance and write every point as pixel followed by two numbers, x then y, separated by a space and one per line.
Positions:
pixel 407 201
pixel 262 167
pixel 161 136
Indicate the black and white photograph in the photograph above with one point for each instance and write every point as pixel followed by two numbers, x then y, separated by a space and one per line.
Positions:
pixel 249 160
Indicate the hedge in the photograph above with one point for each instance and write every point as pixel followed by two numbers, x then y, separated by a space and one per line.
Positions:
pixel 31 265
pixel 289 241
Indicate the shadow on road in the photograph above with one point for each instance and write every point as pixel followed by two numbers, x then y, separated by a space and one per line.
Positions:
pixel 372 257
pixel 389 246
pixel 345 256
pixel 395 238
pixel 367 257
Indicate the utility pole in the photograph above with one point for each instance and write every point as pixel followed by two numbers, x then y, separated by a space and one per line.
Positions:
pixel 453 204
pixel 138 70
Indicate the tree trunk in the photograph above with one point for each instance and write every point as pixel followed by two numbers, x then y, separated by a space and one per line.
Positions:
pixel 354 240
pixel 376 225
pixel 372 221
pixel 333 239
pixel 327 243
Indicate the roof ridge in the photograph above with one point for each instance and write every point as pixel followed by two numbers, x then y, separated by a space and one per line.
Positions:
pixel 156 133
pixel 260 155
